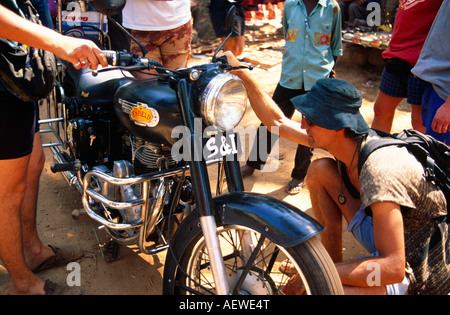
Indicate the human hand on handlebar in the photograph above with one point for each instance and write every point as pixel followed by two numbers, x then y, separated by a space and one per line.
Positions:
pixel 232 60
pixel 81 53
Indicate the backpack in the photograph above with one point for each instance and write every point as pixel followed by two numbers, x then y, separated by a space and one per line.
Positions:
pixel 431 153
pixel 435 159
pixel 26 72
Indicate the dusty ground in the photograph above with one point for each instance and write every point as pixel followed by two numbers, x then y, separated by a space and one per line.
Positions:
pixel 135 273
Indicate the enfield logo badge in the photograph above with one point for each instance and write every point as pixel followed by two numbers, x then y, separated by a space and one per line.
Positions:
pixel 142 115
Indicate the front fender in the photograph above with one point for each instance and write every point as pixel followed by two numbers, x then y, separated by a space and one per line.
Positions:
pixel 279 221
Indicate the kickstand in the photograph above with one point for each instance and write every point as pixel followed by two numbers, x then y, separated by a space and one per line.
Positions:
pixel 115 250
pixel 109 249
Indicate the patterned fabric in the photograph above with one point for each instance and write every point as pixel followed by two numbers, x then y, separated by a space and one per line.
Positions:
pixel 312 42
pixel 391 174
pixel 393 85
pixel 171 48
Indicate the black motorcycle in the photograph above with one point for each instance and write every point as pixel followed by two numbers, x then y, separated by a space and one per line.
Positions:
pixel 140 151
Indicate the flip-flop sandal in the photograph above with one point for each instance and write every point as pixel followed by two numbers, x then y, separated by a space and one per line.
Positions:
pixel 287 267
pixel 61 257
pixel 294 187
pixel 51 288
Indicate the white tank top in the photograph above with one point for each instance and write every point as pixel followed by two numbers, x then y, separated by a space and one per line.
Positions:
pixel 156 15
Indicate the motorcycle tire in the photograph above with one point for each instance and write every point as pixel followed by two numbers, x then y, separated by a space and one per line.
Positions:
pixel 272 272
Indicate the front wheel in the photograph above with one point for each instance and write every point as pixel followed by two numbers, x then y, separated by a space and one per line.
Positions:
pixel 254 265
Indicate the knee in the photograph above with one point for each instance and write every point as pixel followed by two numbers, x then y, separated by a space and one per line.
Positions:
pixel 318 170
pixel 35 168
pixel 385 105
pixel 380 110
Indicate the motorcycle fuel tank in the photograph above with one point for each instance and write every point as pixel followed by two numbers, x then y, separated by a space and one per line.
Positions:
pixel 149 109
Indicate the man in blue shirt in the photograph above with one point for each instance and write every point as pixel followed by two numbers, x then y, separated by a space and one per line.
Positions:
pixel 312 30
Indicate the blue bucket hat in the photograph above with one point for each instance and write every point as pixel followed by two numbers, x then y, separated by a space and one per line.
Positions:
pixel 333 104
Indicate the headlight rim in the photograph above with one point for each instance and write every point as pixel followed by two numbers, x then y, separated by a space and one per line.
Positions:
pixel 210 95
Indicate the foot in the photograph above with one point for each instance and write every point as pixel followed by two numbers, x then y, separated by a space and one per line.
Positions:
pixel 36 255
pixel 61 256
pixel 51 288
pixel 295 186
pixel 287 267
pixel 30 285
pixel 247 170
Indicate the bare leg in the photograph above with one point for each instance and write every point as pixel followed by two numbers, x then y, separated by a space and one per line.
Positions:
pixel 35 251
pixel 416 118
pixel 12 191
pixel 325 185
pixel 384 109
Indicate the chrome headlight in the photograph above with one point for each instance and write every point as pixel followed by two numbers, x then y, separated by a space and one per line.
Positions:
pixel 224 101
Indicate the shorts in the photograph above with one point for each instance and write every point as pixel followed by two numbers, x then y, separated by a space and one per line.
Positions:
pixel 398 81
pixel 18 124
pixel 361 227
pixel 218 11
pixel 170 47
pixel 430 104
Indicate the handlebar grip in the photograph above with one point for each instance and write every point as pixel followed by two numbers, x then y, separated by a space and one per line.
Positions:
pixel 111 57
pixel 119 58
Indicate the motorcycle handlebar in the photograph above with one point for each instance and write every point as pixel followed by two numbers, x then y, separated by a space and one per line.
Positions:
pixel 119 58
pixel 126 58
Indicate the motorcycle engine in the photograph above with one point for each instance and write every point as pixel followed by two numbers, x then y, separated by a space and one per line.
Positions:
pixel 95 137
pixel 150 157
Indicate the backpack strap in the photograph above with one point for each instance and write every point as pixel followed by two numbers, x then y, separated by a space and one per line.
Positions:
pixel 373 145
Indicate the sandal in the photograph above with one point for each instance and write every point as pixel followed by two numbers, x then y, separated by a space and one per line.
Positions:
pixel 287 267
pixel 51 288
pixel 61 257
pixel 295 186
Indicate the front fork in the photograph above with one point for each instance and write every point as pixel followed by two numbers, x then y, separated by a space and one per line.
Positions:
pixel 202 189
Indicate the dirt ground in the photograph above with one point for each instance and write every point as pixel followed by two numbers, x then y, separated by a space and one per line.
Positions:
pixel 136 273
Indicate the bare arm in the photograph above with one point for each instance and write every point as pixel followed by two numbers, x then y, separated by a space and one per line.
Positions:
pixel 389 266
pixel 266 109
pixel 74 50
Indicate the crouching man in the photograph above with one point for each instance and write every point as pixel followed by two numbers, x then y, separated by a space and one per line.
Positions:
pixel 390 207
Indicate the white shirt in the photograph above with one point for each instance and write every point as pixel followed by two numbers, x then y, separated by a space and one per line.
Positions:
pixel 156 15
